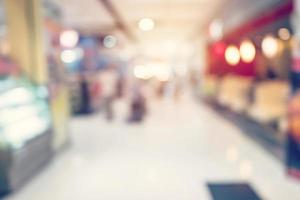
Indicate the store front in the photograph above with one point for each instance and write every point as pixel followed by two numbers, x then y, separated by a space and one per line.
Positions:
pixel 249 78
pixel 33 108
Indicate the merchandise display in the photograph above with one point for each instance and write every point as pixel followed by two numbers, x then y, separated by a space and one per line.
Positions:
pixel 251 66
pixel 25 131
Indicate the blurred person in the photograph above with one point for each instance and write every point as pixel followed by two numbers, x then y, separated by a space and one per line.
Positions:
pixel 137 104
pixel 85 95
pixel 108 79
pixel 120 86
pixel 271 73
pixel 178 88
pixel 160 89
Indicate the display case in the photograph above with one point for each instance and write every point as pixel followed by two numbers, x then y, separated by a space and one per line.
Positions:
pixel 25 131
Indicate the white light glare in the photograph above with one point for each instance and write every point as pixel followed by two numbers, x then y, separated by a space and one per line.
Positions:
pixel 270 46
pixel 71 55
pixel 216 29
pixel 232 55
pixel 142 72
pixel 248 51
pixel 69 38
pixel 146 24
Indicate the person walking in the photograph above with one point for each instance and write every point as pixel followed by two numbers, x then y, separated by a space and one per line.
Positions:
pixel 137 105
pixel 108 79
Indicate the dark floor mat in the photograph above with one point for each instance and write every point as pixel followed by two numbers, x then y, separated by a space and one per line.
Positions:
pixel 232 191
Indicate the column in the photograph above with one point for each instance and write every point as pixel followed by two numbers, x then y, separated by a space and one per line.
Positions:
pixel 25 31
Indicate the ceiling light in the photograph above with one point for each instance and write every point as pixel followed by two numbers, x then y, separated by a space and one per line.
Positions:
pixel 70 56
pixel 270 46
pixel 69 38
pixel 232 55
pixel 146 24
pixel 142 72
pixel 110 41
pixel 247 51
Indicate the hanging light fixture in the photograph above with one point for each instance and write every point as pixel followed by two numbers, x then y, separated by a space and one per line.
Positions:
pixel 247 51
pixel 270 46
pixel 216 29
pixel 69 38
pixel 110 41
pixel 232 55
pixel 146 24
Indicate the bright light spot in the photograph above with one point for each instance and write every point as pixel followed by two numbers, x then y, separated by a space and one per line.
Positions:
pixel 146 24
pixel 110 41
pixel 247 51
pixel 284 34
pixel 71 55
pixel 270 46
pixel 216 29
pixel 142 72
pixel 69 38
pixel 232 55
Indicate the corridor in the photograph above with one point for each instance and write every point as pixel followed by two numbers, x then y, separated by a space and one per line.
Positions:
pixel 171 156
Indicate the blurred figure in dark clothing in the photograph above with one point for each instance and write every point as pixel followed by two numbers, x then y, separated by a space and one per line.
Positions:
pixel 271 74
pixel 137 105
pixel 85 95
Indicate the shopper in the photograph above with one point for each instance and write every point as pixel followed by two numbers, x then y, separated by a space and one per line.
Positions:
pixel 85 95
pixel 137 105
pixel 108 80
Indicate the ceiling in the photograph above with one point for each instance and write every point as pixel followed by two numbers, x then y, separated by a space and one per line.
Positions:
pixel 176 21
pixel 86 15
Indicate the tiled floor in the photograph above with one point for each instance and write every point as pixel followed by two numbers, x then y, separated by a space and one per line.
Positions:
pixel 171 156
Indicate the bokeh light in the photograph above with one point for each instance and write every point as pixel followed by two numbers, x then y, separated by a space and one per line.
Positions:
pixel 146 24
pixel 71 55
pixel 247 51
pixel 232 55
pixel 216 29
pixel 270 46
pixel 110 41
pixel 69 38
pixel 142 72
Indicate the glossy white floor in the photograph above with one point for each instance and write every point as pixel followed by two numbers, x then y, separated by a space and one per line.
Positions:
pixel 172 156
